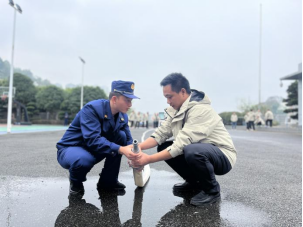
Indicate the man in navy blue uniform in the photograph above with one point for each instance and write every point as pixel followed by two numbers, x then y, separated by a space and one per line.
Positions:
pixel 100 130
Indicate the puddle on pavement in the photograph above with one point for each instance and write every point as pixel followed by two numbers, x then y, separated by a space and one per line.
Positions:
pixel 44 202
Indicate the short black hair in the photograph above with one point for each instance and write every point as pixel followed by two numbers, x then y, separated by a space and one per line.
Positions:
pixel 177 82
pixel 112 93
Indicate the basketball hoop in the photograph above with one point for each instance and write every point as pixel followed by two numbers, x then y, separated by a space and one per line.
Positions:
pixel 3 97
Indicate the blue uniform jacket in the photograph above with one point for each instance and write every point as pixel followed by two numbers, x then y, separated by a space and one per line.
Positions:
pixel 94 128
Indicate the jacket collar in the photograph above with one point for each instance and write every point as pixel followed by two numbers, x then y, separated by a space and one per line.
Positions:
pixel 175 113
pixel 194 98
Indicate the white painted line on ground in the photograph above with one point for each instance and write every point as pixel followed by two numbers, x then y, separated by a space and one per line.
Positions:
pixel 144 133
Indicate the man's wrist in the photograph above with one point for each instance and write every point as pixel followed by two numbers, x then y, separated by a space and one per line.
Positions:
pixel 120 150
pixel 150 159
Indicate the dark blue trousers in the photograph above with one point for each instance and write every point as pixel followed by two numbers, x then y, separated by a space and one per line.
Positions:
pixel 79 161
pixel 199 164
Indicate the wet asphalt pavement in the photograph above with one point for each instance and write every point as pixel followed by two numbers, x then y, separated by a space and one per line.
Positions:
pixel 263 189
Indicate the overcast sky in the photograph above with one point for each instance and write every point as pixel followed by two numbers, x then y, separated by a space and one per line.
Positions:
pixel 215 44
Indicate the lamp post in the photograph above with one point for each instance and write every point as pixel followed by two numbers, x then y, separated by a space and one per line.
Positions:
pixel 81 103
pixel 10 92
pixel 260 56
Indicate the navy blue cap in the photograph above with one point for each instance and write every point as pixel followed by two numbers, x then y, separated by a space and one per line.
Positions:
pixel 125 88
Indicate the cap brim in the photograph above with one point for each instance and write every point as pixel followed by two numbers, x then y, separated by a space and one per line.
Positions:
pixel 131 96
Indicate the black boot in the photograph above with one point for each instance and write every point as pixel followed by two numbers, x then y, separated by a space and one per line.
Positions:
pixel 203 198
pixel 186 187
pixel 76 189
pixel 110 186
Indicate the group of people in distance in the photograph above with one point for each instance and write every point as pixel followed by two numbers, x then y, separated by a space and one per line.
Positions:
pixel 253 118
pixel 140 119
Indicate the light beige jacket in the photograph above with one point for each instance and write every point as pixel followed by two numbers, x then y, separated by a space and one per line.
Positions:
pixel 251 116
pixel 195 122
pixel 234 118
pixel 269 115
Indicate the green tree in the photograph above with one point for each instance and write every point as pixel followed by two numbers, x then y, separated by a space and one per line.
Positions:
pixel 25 88
pixel 4 69
pixel 32 109
pixel 71 103
pixel 292 99
pixel 49 98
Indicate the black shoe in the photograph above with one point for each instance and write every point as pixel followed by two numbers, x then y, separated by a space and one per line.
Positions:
pixel 186 195
pixel 106 186
pixel 203 198
pixel 105 193
pixel 184 187
pixel 76 189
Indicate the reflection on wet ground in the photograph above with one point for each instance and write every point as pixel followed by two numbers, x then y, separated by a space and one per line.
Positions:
pixel 44 202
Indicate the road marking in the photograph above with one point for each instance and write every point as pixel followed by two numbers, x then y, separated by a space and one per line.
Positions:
pixel 144 133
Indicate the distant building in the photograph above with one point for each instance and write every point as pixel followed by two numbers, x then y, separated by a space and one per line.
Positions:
pixel 297 76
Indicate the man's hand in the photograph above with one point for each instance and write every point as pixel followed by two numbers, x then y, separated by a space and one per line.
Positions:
pixel 129 153
pixel 142 161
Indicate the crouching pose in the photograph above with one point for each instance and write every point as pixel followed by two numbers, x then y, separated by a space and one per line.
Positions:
pixel 99 131
pixel 202 147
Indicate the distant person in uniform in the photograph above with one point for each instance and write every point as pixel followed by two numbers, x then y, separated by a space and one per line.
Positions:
pixel 147 120
pixel 143 119
pixel 259 121
pixel 156 120
pixel 269 116
pixel 246 121
pixel 131 118
pixel 258 114
pixel 234 120
pixel 138 119
pixel 202 147
pixel 99 131
pixel 251 119
pixel 66 120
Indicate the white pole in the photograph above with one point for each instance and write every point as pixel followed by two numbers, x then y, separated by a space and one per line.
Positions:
pixel 260 56
pixel 10 93
pixel 81 104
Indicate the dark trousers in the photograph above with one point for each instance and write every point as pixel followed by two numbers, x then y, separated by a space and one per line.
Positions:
pixel 137 124
pixel 156 124
pixel 131 123
pixel 269 123
pixel 65 121
pixel 251 125
pixel 199 164
pixel 79 161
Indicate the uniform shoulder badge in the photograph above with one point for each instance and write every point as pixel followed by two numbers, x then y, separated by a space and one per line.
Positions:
pixel 132 87
pixel 122 119
pixel 105 116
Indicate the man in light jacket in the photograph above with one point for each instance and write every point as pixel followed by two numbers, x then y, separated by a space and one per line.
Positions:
pixel 269 116
pixel 251 119
pixel 234 120
pixel 246 121
pixel 202 147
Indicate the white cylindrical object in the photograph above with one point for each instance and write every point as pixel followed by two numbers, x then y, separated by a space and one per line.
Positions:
pixel 10 94
pixel 140 177
pixel 260 56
